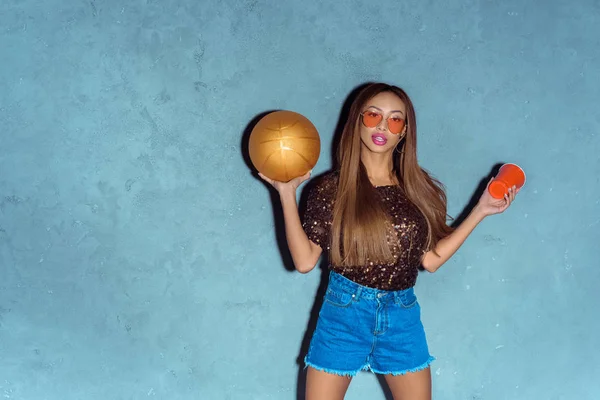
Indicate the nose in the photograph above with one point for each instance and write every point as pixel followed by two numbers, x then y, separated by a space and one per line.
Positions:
pixel 382 125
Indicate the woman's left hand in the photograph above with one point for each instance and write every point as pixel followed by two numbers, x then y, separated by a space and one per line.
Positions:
pixel 488 205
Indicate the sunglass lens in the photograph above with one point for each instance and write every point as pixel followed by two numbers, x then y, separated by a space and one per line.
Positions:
pixel 371 119
pixel 395 125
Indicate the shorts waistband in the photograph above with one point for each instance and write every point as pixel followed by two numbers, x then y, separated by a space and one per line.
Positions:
pixel 361 291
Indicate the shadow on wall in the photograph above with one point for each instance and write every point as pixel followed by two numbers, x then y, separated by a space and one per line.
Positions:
pixel 476 194
pixel 287 261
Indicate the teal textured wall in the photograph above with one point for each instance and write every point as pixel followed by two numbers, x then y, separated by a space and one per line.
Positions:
pixel 139 256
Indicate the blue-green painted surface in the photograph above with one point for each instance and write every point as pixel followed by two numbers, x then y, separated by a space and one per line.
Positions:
pixel 138 255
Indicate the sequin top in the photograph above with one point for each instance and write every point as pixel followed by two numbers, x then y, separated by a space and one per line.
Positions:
pixel 410 228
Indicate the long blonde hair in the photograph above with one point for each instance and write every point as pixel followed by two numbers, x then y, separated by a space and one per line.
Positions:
pixel 360 225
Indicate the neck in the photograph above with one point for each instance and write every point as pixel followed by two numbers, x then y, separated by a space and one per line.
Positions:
pixel 379 166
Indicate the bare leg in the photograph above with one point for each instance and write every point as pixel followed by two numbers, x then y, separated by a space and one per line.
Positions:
pixel 412 386
pixel 325 386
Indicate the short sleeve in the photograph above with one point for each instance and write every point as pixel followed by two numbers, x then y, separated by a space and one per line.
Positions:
pixel 318 215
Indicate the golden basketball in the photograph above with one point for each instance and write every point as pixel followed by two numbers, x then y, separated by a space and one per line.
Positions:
pixel 284 145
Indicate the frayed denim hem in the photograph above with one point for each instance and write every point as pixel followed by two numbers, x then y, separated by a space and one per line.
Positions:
pixel 421 367
pixel 348 374
pixel 367 367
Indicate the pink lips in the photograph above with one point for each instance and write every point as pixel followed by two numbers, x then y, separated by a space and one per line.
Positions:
pixel 379 139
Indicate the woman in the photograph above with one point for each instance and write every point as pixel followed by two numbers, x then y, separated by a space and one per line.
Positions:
pixel 380 216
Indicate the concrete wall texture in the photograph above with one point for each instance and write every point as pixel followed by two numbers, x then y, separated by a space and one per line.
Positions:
pixel 138 253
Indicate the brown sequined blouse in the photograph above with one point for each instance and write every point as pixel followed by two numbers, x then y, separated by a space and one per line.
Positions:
pixel 410 240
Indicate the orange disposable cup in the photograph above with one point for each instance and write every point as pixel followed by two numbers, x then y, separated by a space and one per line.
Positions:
pixel 508 176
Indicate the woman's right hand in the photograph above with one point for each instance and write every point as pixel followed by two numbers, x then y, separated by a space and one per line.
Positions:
pixel 290 186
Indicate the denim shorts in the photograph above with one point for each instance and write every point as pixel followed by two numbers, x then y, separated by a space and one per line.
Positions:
pixel 361 328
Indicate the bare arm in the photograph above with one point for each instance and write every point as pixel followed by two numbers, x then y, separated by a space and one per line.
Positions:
pixel 305 253
pixel 446 247
pixel 450 244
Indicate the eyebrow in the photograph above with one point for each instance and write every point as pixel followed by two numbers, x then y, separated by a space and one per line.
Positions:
pixel 400 111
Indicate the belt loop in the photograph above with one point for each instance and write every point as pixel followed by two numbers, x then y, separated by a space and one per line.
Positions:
pixel 356 294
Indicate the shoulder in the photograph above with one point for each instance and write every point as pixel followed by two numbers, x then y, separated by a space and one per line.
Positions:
pixel 329 178
pixel 325 182
pixel 324 186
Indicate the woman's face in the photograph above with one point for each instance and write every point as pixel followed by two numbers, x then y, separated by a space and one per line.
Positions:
pixel 383 122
